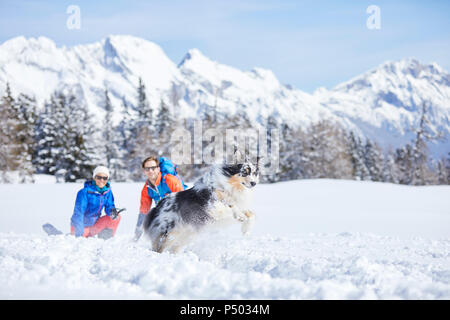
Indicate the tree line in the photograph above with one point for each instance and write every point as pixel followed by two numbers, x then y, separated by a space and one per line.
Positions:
pixel 62 139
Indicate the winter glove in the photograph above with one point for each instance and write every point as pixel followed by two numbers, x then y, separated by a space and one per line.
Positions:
pixel 140 220
pixel 139 228
pixel 114 214
pixel 138 233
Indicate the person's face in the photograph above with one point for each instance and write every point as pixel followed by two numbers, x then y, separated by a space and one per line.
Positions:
pixel 151 170
pixel 100 180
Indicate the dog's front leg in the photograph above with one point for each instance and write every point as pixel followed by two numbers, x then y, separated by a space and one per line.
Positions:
pixel 238 214
pixel 247 218
pixel 248 222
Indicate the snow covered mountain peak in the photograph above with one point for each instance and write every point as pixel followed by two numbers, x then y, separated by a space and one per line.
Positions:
pixel 383 103
pixel 136 57
pixel 405 84
pixel 413 69
pixel 386 102
pixel 233 86
pixel 125 45
pixel 198 67
pixel 196 62
pixel 401 74
pixel 38 67
pixel 257 92
pixel 26 50
pixel 17 44
pixel 412 66
pixel 194 56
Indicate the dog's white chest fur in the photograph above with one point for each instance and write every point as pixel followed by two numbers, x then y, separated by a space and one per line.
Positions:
pixel 221 212
pixel 229 205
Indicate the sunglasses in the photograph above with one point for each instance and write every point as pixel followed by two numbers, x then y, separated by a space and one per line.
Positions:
pixel 147 169
pixel 101 178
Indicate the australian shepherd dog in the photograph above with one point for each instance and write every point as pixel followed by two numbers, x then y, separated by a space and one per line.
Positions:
pixel 220 196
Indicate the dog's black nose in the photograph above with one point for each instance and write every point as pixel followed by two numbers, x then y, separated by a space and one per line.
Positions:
pixel 253 183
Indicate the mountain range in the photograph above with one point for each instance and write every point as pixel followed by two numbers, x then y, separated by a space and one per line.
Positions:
pixel 383 104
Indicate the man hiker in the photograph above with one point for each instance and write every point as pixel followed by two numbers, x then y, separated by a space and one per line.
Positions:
pixel 158 185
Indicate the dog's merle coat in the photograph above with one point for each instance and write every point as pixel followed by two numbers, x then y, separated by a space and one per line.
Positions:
pixel 221 195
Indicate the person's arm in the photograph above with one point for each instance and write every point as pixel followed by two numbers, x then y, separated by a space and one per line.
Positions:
pixel 146 201
pixel 174 183
pixel 146 204
pixel 77 220
pixel 109 204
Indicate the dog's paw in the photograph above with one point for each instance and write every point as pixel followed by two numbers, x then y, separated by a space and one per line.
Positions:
pixel 239 216
pixel 246 227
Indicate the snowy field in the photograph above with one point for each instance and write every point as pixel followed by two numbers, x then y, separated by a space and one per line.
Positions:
pixel 313 239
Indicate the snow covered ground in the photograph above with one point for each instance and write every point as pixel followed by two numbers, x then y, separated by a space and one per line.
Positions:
pixel 313 239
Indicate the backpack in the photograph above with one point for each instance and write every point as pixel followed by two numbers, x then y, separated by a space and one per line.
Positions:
pixel 167 166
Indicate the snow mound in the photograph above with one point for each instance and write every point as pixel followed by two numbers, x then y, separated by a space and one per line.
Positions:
pixel 315 266
pixel 312 239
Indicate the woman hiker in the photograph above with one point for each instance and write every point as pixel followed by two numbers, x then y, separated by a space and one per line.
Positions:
pixel 96 196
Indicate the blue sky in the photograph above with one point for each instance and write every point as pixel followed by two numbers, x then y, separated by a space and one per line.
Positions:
pixel 307 44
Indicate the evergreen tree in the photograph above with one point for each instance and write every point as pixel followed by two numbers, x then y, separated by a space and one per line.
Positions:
pixel 163 119
pixel 390 171
pixel 47 138
pixel 326 151
pixel 342 166
pixel 164 126
pixel 447 167
pixel 209 116
pixel 26 118
pixel 17 124
pixel 82 152
pixel 442 172
pixel 111 139
pixel 218 92
pixel 248 136
pixel 404 160
pixel 175 95
pixel 145 112
pixel 66 146
pixel 292 154
pixel 272 148
pixel 145 143
pixel 373 159
pixel 78 156
pixel 8 161
pixel 421 171
pixel 356 152
pixel 126 135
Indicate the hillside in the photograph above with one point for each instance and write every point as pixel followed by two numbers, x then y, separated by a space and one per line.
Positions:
pixel 382 104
